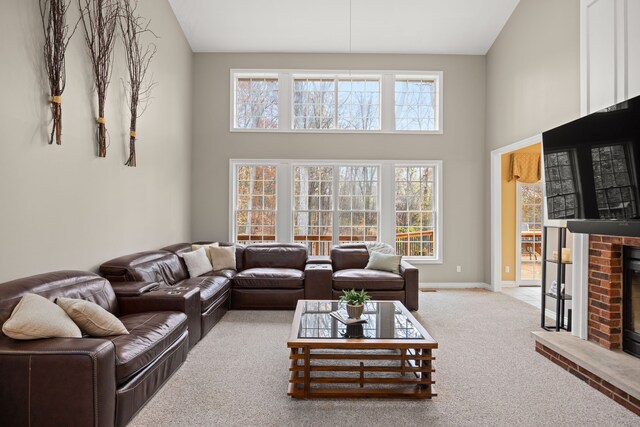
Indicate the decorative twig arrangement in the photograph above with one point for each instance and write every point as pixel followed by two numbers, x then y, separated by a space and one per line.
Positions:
pixel 139 56
pixel 57 35
pixel 99 20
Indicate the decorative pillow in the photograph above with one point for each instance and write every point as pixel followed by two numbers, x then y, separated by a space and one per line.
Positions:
pixel 91 318
pixel 197 262
pixel 36 317
pixel 223 257
pixel 384 262
pixel 206 247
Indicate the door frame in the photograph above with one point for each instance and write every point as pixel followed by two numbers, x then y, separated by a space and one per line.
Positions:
pixel 496 206
pixel 519 281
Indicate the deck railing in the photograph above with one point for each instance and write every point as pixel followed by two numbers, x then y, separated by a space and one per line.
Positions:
pixel 415 243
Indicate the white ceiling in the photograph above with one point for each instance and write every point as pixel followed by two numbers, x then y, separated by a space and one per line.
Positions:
pixel 376 26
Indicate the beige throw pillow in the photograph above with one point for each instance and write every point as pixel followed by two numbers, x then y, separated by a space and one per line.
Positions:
pixel 223 257
pixel 197 262
pixel 206 247
pixel 36 317
pixel 384 262
pixel 91 318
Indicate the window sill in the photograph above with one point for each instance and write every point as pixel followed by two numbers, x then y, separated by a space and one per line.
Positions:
pixel 422 260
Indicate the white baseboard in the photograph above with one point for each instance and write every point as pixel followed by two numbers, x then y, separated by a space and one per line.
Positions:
pixel 455 285
pixel 509 284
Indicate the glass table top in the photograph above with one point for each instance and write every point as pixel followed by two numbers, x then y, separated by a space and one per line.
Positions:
pixel 385 320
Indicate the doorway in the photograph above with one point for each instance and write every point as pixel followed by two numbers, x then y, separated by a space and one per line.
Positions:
pixel 529 234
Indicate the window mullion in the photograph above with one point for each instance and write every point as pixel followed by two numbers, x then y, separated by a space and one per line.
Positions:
pixel 388 103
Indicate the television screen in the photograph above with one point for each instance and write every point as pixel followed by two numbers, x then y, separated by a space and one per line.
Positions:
pixel 592 165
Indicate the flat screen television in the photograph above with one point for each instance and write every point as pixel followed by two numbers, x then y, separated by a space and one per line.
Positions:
pixel 592 171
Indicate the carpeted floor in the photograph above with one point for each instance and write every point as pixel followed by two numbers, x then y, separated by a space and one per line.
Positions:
pixel 487 374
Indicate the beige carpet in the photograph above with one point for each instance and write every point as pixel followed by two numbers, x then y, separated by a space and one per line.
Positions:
pixel 487 374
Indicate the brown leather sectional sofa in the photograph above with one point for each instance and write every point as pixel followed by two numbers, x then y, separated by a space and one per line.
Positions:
pixel 86 381
pixel 105 381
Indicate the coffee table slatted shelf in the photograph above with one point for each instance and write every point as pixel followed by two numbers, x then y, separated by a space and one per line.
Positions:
pixel 371 367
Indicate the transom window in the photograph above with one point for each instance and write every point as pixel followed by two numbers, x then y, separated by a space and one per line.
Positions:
pixel 331 203
pixel 416 104
pixel 256 102
pixel 336 101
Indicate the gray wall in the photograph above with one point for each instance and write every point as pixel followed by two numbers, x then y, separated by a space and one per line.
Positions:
pixel 61 207
pixel 533 79
pixel 461 147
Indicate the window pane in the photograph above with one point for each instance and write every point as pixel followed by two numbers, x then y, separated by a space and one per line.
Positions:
pixel 256 103
pixel 255 199
pixel 415 104
pixel 313 207
pixel 314 104
pixel 358 215
pixel 415 211
pixel 359 104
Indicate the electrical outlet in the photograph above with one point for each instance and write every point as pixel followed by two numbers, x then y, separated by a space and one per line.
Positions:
pixel 459 268
pixel 507 269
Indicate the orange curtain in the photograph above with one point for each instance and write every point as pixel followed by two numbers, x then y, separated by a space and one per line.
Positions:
pixel 524 167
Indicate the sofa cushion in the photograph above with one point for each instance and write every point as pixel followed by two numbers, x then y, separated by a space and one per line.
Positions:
pixel 222 258
pixel 274 278
pixel 228 273
pixel 356 278
pixel 275 255
pixel 211 288
pixel 198 262
pixel 150 266
pixel 149 335
pixel 91 318
pixel 349 256
pixel 384 262
pixel 36 317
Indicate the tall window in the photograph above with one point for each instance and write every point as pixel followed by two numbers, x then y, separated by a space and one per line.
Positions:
pixel 256 103
pixel 255 203
pixel 415 211
pixel 336 103
pixel 313 207
pixel 358 204
pixel 416 104
pixel 331 202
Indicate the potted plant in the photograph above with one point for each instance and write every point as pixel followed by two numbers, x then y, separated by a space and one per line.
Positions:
pixel 355 302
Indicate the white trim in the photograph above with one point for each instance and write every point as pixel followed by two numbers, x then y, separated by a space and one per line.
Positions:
pixel 455 285
pixel 387 98
pixel 580 285
pixel 496 206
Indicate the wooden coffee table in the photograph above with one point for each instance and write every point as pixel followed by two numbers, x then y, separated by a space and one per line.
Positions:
pixel 388 357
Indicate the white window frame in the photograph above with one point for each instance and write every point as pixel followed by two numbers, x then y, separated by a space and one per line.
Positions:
pixel 386 198
pixel 387 80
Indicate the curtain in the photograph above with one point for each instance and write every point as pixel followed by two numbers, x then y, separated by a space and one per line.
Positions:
pixel 524 167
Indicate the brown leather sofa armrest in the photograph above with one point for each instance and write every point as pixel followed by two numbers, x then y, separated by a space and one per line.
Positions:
pixel 130 289
pixel 58 381
pixel 411 283
pixel 318 281
pixel 319 259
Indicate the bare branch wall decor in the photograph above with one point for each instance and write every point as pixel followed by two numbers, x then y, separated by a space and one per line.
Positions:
pixel 57 35
pixel 138 55
pixel 99 20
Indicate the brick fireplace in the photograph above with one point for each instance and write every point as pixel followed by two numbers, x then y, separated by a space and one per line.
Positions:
pixel 611 372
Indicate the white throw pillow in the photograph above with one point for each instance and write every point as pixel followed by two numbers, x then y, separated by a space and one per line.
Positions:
pixel 223 257
pixel 91 318
pixel 197 262
pixel 36 317
pixel 384 262
pixel 206 247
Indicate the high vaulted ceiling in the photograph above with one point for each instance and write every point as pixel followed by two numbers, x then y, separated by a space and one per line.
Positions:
pixel 343 26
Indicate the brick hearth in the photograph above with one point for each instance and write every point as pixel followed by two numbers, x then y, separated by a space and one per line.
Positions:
pixel 605 289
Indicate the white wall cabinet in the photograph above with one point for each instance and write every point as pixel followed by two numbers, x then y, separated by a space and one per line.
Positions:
pixel 610 43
